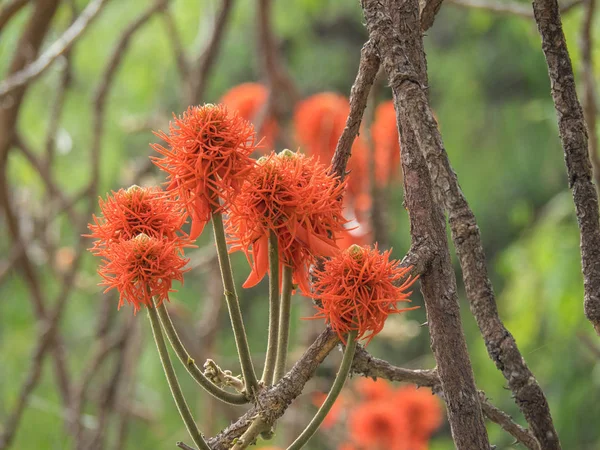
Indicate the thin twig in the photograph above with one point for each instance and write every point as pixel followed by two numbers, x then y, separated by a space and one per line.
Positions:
pixel 62 44
pixel 9 10
pixel 510 8
pixel 205 62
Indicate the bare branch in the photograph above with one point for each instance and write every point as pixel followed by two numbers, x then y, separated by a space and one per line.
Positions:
pixel 590 91
pixel 401 52
pixel 9 10
pixel 273 402
pixel 510 8
pixel 574 139
pixel 63 44
pixel 359 94
pixel 172 33
pixel 207 58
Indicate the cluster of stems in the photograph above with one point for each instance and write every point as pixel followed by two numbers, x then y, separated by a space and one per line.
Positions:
pixel 248 388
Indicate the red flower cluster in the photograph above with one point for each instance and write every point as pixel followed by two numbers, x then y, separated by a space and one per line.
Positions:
pixel 139 236
pixel 207 158
pixel 249 99
pixel 381 417
pixel 359 289
pixel 293 196
pixel 136 210
pixel 142 268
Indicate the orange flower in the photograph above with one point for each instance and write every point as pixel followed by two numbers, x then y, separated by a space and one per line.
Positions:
pixel 142 268
pixel 423 411
pixel 334 413
pixel 295 197
pixel 378 426
pixel 387 145
pixel 358 291
pixel 319 121
pixel 207 159
pixel 372 390
pixel 127 213
pixel 249 99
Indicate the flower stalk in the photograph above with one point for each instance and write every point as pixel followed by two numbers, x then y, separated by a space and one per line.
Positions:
pixel 235 313
pixel 338 384
pixel 182 406
pixel 284 323
pixel 274 311
pixel 190 364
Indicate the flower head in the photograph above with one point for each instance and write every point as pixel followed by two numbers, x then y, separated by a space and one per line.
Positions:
pixel 387 145
pixel 249 99
pixel 293 196
pixel 358 289
pixel 206 160
pixel 136 210
pixel 142 268
pixel 319 121
pixel 378 426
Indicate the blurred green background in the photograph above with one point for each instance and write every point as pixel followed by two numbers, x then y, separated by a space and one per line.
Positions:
pixel 490 90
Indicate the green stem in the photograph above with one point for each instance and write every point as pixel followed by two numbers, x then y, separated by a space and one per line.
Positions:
pixel 235 313
pixel 190 365
pixel 284 323
pixel 182 406
pixel 272 343
pixel 338 384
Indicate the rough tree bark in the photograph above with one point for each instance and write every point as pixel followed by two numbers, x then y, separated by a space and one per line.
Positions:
pixel 574 138
pixel 428 224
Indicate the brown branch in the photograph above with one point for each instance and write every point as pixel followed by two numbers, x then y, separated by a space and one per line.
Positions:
pixel 273 402
pixel 43 171
pixel 427 221
pixel 501 345
pixel 590 92
pixel 206 60
pixel 498 416
pixel 359 94
pixel 173 35
pixel 429 9
pixel 62 44
pixel 368 366
pixel 574 139
pixel 510 8
pixel 9 10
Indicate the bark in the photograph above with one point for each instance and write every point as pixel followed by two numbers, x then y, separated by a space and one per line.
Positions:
pixel 574 139
pixel 438 282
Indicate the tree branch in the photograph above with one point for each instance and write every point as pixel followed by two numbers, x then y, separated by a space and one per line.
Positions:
pixel 401 54
pixel 9 10
pixel 510 8
pixel 62 44
pixel 574 139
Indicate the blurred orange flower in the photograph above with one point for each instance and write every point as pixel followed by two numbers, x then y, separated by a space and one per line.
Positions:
pixel 129 212
pixel 357 289
pixel 319 121
pixel 293 196
pixel 378 426
pixel 387 144
pixel 142 268
pixel 207 159
pixel 249 99
pixel 423 411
